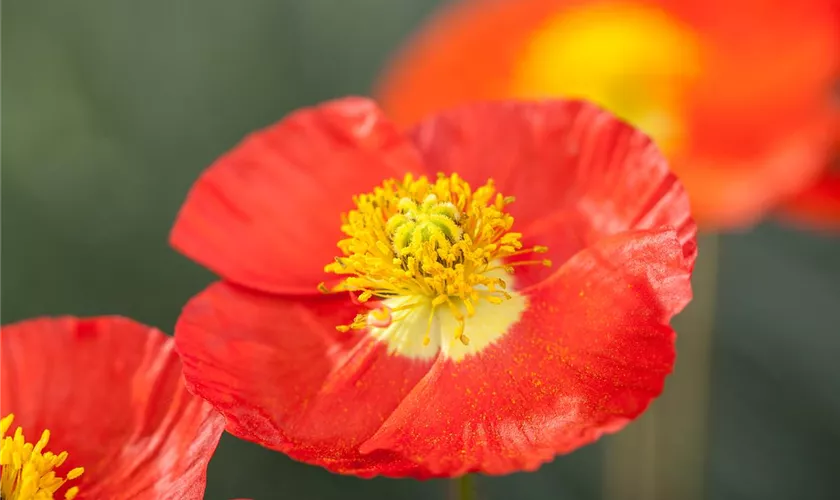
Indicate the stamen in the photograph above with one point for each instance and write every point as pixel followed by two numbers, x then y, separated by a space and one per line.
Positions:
pixel 439 241
pixel 544 262
pixel 427 336
pixel 380 317
pixel 459 330
pixel 27 472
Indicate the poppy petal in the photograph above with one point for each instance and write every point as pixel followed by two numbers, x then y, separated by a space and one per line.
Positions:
pixel 111 392
pixel 589 354
pixel 286 379
pixel 577 173
pixel 736 185
pixel 266 214
pixel 818 206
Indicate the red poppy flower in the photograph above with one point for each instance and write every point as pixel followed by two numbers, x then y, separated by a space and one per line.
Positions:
pixel 444 344
pixel 111 394
pixel 736 93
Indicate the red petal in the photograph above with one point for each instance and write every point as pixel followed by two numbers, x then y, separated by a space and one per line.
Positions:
pixel 110 390
pixel 588 356
pixel 267 214
pixel 736 189
pixel 285 378
pixel 577 173
pixel 819 205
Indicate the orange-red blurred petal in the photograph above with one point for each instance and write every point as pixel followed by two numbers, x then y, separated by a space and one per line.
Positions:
pixel 819 206
pixel 732 192
pixel 266 214
pixel 577 173
pixel 111 392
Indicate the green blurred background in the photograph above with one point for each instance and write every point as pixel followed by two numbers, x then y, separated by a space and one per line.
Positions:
pixel 111 109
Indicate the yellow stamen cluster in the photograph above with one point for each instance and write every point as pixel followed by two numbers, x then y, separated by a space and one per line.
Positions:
pixel 27 471
pixel 437 241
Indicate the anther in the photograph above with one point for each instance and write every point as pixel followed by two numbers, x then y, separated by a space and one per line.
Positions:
pixel 380 317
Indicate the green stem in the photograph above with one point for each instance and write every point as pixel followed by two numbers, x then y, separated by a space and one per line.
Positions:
pixel 463 488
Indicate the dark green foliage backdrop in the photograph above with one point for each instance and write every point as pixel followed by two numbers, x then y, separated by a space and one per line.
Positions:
pixel 111 109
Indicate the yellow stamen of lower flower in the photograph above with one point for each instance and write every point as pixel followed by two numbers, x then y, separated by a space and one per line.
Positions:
pixel 440 242
pixel 26 471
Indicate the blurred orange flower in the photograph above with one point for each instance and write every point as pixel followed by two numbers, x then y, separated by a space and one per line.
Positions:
pixel 737 94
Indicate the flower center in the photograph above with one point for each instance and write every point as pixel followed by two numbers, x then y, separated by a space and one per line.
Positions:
pixel 421 246
pixel 633 60
pixel 27 471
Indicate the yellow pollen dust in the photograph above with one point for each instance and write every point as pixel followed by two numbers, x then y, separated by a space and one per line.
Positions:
pixel 439 243
pixel 27 471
